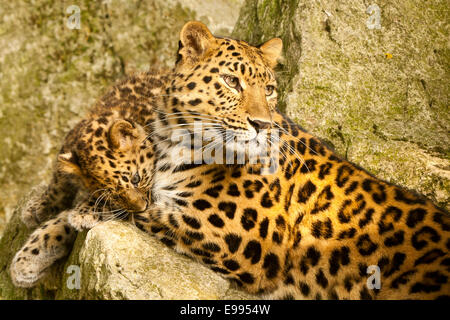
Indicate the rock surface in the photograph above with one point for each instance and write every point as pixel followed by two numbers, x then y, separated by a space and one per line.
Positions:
pixel 379 96
pixel 115 260
pixel 118 261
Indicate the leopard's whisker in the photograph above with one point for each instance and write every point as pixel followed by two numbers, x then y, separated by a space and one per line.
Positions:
pixel 108 211
pixel 285 147
pixel 93 193
pixel 99 199
pixel 210 127
pixel 176 117
pixel 294 152
pixel 281 151
pixel 189 125
pixel 105 202
pixel 115 215
pixel 295 138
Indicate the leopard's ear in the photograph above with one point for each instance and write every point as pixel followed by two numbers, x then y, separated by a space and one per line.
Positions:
pixel 271 50
pixel 195 41
pixel 122 135
pixel 68 163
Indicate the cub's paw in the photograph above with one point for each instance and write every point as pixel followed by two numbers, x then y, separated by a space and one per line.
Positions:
pixel 33 212
pixel 83 221
pixel 26 269
pixel 47 244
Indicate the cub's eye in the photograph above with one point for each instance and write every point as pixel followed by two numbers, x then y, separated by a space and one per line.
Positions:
pixel 135 179
pixel 232 82
pixel 269 90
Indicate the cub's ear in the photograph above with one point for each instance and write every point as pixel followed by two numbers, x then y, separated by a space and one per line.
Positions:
pixel 122 135
pixel 68 163
pixel 195 41
pixel 271 50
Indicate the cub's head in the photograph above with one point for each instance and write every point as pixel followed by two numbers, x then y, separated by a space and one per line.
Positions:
pixel 227 85
pixel 113 160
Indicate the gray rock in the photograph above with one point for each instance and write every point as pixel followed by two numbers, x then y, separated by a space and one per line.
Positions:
pixel 114 260
pixel 118 261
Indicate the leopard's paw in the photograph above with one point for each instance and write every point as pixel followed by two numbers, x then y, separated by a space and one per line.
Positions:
pixel 33 212
pixel 83 221
pixel 27 269
pixel 47 244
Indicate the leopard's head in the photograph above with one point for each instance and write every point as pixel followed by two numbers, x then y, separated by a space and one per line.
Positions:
pixel 113 160
pixel 226 86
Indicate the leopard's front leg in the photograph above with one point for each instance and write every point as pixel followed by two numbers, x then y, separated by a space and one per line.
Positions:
pixel 48 243
pixel 84 216
pixel 57 196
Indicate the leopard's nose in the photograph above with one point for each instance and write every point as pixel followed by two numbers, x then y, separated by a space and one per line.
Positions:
pixel 138 206
pixel 135 201
pixel 143 207
pixel 259 124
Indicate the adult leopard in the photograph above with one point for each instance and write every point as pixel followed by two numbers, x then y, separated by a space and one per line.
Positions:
pixel 311 229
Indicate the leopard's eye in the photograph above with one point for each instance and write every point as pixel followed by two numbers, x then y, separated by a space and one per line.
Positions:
pixel 135 179
pixel 232 82
pixel 269 90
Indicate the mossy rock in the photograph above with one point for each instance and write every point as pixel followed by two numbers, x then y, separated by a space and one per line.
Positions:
pixel 118 261
pixel 115 260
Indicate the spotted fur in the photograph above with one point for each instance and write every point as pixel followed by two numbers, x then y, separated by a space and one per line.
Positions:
pixel 309 230
pixel 106 163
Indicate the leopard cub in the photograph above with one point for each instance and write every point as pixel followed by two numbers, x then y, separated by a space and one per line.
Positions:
pixel 105 163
